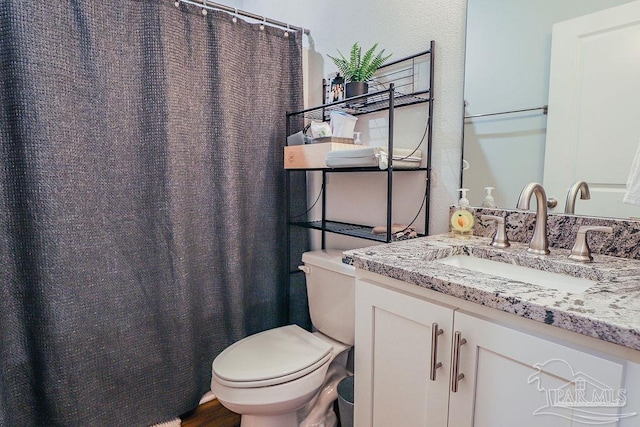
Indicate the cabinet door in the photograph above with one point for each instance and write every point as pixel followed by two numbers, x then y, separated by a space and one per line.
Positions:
pixel 512 378
pixel 393 354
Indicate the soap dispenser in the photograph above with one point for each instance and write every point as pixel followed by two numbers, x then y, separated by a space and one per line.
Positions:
pixel 489 201
pixel 462 220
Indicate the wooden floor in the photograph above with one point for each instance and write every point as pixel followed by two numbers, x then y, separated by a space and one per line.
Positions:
pixel 211 414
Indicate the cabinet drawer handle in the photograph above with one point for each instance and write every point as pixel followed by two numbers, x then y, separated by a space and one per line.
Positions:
pixel 435 333
pixel 456 376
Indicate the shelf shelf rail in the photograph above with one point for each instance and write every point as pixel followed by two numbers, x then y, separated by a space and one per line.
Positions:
pixel 403 89
pixel 544 109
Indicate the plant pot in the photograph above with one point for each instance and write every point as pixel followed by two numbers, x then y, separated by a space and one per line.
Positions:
pixel 356 89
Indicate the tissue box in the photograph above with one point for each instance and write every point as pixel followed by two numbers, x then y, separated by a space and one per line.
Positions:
pixel 312 156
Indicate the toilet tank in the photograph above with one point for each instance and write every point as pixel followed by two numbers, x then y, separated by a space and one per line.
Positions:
pixel 331 294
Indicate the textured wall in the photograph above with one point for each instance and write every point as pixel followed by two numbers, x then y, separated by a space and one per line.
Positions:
pixel 402 29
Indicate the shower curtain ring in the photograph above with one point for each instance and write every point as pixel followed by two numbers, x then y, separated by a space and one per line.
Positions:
pixel 286 33
pixel 235 16
pixel 204 7
pixel 177 3
pixel 264 21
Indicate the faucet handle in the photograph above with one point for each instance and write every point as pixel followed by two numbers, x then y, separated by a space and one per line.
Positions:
pixel 500 239
pixel 580 251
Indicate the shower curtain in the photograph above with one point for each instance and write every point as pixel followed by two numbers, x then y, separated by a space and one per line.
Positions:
pixel 142 226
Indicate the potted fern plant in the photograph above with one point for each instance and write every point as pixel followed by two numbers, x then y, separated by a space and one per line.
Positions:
pixel 358 69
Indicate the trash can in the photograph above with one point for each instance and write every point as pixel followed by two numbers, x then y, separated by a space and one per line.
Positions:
pixel 345 401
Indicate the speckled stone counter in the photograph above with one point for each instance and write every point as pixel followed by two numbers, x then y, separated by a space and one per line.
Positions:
pixel 562 229
pixel 610 310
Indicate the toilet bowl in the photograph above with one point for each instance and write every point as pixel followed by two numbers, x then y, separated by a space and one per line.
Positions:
pixel 268 377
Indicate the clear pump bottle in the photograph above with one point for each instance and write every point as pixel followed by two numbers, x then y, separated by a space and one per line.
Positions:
pixel 489 201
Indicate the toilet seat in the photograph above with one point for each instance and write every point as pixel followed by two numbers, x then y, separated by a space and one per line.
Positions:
pixel 271 357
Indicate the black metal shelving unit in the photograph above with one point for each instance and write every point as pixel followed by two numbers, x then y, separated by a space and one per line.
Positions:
pixel 401 88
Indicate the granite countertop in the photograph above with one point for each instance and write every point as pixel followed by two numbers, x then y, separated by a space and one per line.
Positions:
pixel 609 310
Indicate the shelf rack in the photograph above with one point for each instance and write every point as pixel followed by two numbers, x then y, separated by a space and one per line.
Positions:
pixel 400 82
pixel 365 104
pixel 344 228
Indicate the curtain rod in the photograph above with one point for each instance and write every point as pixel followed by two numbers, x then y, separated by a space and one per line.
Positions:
pixel 544 109
pixel 217 6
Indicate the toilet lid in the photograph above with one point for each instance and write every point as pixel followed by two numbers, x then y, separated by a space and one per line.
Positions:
pixel 271 357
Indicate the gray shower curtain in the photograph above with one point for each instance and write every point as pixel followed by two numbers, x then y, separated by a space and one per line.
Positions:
pixel 142 226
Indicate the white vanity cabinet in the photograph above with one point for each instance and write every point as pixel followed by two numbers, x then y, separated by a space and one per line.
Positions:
pixel 509 376
pixel 393 355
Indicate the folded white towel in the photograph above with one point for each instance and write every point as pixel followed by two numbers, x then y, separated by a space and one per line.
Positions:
pixel 632 196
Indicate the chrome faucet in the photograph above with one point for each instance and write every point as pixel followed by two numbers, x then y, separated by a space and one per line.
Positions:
pixel 583 187
pixel 539 244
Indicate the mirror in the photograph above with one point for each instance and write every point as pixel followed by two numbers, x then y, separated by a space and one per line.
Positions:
pixel 506 92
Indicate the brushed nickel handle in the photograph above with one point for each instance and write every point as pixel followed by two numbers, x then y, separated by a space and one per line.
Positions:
pixel 500 239
pixel 435 333
pixel 581 251
pixel 552 202
pixel 456 376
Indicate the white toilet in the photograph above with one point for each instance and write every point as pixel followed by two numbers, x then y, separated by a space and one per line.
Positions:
pixel 268 377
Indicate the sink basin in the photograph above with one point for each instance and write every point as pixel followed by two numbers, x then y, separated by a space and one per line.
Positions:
pixel 518 273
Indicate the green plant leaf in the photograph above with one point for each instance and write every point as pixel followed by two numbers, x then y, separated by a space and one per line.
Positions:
pixel 342 64
pixel 366 64
pixel 354 64
pixel 358 68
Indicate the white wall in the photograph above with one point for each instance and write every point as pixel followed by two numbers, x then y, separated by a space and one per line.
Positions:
pixel 507 68
pixel 233 3
pixel 401 27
